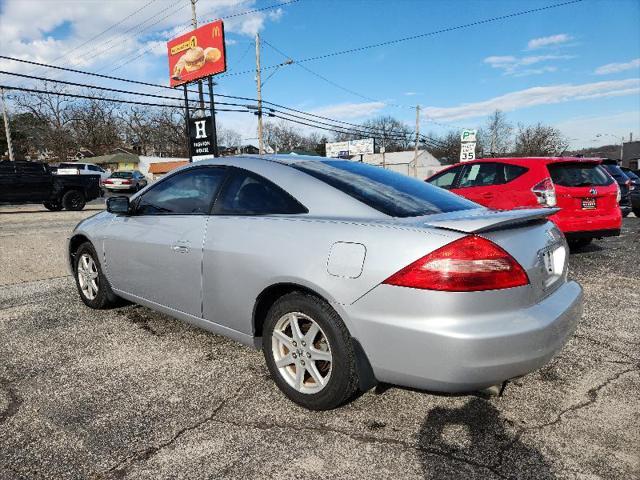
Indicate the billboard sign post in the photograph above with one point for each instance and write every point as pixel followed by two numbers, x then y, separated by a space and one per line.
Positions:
pixel 193 56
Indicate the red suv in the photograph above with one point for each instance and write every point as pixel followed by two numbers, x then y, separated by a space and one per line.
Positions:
pixel 587 195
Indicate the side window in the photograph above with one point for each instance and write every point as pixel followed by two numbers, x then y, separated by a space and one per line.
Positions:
pixel 445 179
pixel 93 168
pixel 27 168
pixel 250 194
pixel 480 175
pixel 188 192
pixel 511 172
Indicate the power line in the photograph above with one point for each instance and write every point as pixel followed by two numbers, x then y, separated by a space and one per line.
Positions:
pixel 107 89
pixel 247 12
pixel 103 31
pixel 415 37
pixel 115 100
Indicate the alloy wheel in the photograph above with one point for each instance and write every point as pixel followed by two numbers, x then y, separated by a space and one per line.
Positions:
pixel 301 352
pixel 88 276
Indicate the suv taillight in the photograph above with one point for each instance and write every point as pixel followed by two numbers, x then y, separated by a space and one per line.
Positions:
pixel 545 192
pixel 468 264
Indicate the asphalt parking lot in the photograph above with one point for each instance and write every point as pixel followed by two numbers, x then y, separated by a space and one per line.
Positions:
pixel 130 393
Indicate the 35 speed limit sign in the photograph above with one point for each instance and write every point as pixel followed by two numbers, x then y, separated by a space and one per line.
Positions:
pixel 467 151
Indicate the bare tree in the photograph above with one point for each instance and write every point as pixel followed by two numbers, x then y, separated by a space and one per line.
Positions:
pixel 228 137
pixel 282 136
pixel 496 138
pixel 97 125
pixel 445 148
pixel 389 132
pixel 53 115
pixel 539 140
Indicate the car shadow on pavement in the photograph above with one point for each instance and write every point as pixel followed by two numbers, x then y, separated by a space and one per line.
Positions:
pixel 475 437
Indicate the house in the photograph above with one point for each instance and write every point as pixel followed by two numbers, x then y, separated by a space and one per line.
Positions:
pixel 403 162
pixel 159 169
pixel 115 161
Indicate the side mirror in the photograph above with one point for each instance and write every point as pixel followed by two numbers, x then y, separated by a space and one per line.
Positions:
pixel 118 205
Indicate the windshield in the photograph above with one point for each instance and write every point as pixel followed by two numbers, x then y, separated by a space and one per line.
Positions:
pixel 122 175
pixel 388 192
pixel 578 175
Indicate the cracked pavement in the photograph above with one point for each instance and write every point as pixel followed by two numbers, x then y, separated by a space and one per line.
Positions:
pixel 130 393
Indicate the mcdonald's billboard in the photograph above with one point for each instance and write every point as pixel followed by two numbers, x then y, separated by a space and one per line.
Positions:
pixel 197 54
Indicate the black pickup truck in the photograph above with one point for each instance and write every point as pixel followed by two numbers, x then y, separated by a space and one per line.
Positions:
pixel 33 182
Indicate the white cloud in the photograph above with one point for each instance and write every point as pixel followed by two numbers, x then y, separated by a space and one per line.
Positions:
pixel 512 65
pixel 541 42
pixel 617 67
pixel 350 110
pixel 582 130
pixel 26 38
pixel 536 96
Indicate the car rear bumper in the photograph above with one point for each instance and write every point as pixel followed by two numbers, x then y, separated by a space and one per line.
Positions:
pixel 613 232
pixel 118 187
pixel 569 224
pixel 422 345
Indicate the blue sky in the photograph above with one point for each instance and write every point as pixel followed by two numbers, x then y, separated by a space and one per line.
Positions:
pixel 576 66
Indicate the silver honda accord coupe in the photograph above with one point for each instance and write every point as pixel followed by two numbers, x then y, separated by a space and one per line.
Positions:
pixel 345 274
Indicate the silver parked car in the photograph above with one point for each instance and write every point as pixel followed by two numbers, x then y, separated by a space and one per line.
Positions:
pixel 345 274
pixel 131 180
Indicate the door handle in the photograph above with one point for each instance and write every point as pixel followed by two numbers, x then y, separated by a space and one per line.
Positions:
pixel 180 248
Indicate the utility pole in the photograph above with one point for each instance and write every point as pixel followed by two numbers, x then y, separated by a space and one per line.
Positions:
pixel 415 155
pixel 259 93
pixel 6 126
pixel 194 23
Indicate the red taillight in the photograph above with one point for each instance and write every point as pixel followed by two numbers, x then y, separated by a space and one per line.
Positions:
pixel 545 192
pixel 126 182
pixel 469 264
pixel 108 180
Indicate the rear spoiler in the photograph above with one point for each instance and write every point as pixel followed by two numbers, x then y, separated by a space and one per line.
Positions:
pixel 483 220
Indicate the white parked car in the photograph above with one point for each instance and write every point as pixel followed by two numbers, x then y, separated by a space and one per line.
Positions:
pixel 76 168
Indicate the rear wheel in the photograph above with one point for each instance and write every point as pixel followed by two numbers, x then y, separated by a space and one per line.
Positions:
pixel 309 352
pixel 53 206
pixel 93 286
pixel 73 200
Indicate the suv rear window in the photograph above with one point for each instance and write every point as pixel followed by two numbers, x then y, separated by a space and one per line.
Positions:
pixel 578 175
pixel 388 192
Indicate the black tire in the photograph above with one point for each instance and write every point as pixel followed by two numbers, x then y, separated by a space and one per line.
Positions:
pixel 343 379
pixel 105 298
pixel 625 214
pixel 53 206
pixel 580 243
pixel 73 200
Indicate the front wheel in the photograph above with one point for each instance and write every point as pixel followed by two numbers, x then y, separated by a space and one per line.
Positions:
pixel 309 352
pixel 73 200
pixel 92 284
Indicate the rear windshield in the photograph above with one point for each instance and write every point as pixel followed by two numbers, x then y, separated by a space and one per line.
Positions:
pixel 578 175
pixel 122 175
pixel 388 192
pixel 616 172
